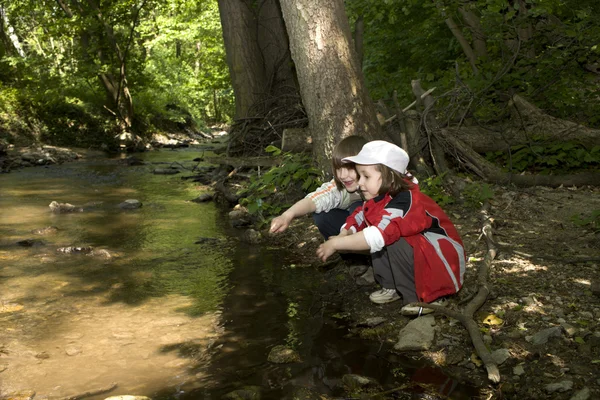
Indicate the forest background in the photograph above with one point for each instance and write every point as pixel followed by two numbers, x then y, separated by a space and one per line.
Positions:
pixel 85 73
pixel 505 90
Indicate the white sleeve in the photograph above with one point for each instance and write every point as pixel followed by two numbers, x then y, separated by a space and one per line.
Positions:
pixel 374 238
pixel 328 196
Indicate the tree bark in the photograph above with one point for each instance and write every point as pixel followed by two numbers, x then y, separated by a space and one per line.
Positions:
pixel 257 51
pixel 329 75
pixel 248 76
pixel 359 35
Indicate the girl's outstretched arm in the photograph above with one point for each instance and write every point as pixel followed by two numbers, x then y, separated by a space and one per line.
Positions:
pixel 300 208
pixel 355 242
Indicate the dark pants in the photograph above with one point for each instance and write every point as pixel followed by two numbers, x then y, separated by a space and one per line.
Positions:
pixel 394 268
pixel 330 223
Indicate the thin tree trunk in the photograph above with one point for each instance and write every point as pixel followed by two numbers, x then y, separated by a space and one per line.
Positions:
pixel 477 34
pixel 458 35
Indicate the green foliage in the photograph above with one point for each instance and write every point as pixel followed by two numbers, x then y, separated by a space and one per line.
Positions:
pixel 434 188
pixel 14 127
pixel 410 40
pixel 174 64
pixel 591 221
pixel 477 193
pixel 545 158
pixel 268 194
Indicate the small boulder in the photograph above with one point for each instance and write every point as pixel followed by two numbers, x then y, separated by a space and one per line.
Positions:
pixel 418 334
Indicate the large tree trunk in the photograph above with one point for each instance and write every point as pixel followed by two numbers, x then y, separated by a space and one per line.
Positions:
pixel 330 78
pixel 262 75
pixel 258 55
pixel 248 76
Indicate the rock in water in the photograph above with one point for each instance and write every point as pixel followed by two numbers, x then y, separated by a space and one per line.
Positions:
pixel 60 208
pixel 130 204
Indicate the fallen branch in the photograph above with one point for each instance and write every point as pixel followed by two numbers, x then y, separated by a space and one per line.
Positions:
pixel 466 316
pixel 491 173
pixel 411 105
pixel 90 393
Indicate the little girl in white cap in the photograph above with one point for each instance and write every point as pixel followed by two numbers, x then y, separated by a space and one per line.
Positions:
pixel 416 251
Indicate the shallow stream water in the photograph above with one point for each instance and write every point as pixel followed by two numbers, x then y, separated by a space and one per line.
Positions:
pixel 150 312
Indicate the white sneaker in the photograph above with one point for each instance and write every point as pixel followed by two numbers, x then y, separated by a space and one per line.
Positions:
pixel 417 310
pixel 384 296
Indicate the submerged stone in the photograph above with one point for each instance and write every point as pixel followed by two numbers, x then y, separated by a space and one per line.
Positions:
pixel 60 208
pixel 130 204
pixel 45 231
pixel 354 381
pixel 283 355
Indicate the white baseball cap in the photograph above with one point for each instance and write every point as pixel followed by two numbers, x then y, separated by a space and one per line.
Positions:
pixel 381 152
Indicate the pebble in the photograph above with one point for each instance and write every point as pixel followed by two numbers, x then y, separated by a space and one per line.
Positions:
pixel 518 370
pixel 72 350
pixel 542 336
pixel 500 356
pixel 561 386
pixel 582 394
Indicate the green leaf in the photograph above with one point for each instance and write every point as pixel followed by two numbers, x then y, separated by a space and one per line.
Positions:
pixel 272 149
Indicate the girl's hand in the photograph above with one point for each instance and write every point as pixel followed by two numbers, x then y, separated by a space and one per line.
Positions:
pixel 326 250
pixel 281 223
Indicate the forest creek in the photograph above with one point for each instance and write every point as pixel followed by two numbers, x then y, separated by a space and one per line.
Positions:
pixel 540 320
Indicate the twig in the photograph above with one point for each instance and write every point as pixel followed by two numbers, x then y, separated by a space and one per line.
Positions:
pixel 408 107
pixel 90 393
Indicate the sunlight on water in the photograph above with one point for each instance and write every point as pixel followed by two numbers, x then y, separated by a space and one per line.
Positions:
pixel 149 278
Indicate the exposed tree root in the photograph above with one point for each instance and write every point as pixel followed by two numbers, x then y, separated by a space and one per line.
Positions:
pixel 466 316
pixel 250 136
